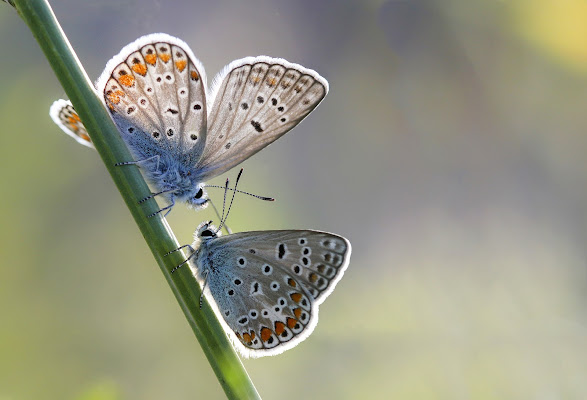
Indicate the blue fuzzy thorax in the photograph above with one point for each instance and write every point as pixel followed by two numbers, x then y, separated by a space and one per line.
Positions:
pixel 167 174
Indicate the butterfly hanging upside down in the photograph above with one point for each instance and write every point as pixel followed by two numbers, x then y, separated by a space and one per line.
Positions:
pixel 155 90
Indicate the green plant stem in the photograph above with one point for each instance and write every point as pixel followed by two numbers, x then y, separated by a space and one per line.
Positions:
pixel 227 366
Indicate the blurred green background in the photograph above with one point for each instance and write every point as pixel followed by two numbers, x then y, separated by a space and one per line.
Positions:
pixel 450 151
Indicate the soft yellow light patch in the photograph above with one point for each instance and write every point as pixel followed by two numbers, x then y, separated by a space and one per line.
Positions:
pixel 556 27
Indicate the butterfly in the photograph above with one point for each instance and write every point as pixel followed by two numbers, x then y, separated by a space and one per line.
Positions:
pixel 267 285
pixel 180 136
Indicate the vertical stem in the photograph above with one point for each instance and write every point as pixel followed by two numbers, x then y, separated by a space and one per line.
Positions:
pixel 227 366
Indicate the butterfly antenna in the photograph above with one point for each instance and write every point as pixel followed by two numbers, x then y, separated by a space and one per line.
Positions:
pixel 223 207
pixel 265 198
pixel 218 215
pixel 224 201
pixel 224 217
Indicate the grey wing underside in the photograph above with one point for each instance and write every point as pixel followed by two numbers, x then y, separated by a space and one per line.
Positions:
pixel 269 284
pixel 253 102
pixel 328 256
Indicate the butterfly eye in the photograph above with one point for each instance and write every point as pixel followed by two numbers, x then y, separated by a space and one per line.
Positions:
pixel 199 194
pixel 206 233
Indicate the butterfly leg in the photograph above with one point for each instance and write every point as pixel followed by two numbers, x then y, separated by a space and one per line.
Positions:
pixel 204 288
pixel 153 195
pixel 168 208
pixel 179 248
pixel 139 162
pixel 186 260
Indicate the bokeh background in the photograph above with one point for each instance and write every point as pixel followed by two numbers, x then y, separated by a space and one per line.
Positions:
pixel 450 151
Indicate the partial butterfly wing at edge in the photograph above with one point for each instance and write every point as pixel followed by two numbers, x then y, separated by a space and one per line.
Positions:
pixel 66 118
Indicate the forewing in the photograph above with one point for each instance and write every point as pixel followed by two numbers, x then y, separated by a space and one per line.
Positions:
pixel 268 284
pixel 253 102
pixel 66 118
pixel 155 91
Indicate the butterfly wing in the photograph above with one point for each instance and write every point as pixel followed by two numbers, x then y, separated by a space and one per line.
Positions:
pixel 155 91
pixel 253 102
pixel 66 118
pixel 268 285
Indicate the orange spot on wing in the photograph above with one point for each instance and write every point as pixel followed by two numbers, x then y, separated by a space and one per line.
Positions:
pixel 313 277
pixel 151 58
pixel 75 117
pixel 140 69
pixel 246 338
pixel 296 297
pixel 265 334
pixel 297 312
pixel 127 80
pixel 279 327
pixel 85 137
pixel 72 120
pixel 165 57
pixel 291 282
pixel 194 75
pixel 272 82
pixel 181 64
pixel 114 97
pixel 291 323
pixel 252 335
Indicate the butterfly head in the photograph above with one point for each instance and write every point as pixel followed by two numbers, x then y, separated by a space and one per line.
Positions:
pixel 206 231
pixel 198 198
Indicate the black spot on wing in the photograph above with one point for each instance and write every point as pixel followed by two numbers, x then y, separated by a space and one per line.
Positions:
pixel 257 126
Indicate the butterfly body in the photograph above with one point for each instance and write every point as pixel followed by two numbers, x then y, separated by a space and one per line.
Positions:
pixel 180 135
pixel 267 285
pixel 177 180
